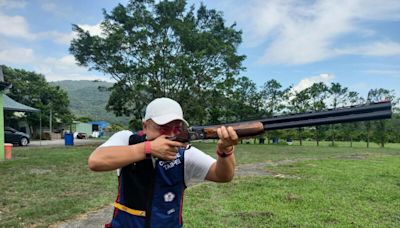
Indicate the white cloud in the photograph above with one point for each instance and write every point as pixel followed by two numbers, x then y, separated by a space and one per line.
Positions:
pixel 309 33
pixel 65 62
pixel 54 69
pixel 13 4
pixel 57 37
pixel 65 38
pixel 387 10
pixel 60 68
pixel 265 18
pixel 15 26
pixel 308 82
pixel 360 86
pixel 16 55
pixel 300 32
pixel 395 73
pixel 388 48
pixel 93 29
pixel 49 6
pixel 65 68
pixel 18 27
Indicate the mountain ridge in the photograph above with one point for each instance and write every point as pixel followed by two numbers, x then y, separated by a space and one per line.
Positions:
pixel 86 100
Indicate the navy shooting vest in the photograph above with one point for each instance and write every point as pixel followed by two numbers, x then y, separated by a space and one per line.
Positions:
pixel 153 190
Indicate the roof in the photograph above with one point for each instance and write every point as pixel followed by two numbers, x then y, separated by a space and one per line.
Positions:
pixel 11 105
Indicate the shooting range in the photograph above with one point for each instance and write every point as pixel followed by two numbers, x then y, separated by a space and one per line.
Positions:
pixel 311 88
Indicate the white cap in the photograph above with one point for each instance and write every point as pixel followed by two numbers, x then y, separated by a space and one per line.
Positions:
pixel 164 110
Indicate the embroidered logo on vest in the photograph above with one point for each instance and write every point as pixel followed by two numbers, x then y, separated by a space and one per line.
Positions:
pixel 170 211
pixel 169 197
pixel 170 164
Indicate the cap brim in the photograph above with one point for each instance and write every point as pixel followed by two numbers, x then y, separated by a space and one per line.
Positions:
pixel 161 120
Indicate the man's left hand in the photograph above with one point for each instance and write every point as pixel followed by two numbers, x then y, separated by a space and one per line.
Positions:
pixel 227 139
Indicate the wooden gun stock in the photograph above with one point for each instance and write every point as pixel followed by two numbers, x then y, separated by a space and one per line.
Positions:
pixel 244 129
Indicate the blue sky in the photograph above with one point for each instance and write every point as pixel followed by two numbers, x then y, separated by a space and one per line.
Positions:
pixel 353 42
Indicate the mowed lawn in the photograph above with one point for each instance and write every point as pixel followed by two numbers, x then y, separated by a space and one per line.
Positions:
pixel 309 186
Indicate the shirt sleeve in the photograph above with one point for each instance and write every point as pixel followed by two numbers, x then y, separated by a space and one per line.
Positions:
pixel 120 138
pixel 197 164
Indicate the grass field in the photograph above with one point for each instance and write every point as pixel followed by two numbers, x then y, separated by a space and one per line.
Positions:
pixel 355 144
pixel 312 187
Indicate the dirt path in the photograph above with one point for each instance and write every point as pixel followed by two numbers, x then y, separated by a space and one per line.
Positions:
pixel 100 217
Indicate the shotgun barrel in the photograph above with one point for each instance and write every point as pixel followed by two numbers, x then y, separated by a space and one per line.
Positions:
pixel 366 112
pixel 372 111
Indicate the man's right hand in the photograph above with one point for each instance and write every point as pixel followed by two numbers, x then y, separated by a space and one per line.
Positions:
pixel 165 149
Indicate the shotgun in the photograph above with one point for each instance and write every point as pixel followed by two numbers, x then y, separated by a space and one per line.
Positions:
pixel 245 129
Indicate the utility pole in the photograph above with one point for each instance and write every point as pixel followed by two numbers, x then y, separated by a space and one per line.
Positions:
pixel 51 120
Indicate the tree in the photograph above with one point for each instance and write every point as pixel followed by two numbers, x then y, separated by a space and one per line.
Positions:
pixel 274 96
pixel 84 119
pixel 339 95
pixel 379 135
pixel 299 102
pixel 392 131
pixel 350 129
pixel 318 93
pixel 245 100
pixel 32 89
pixel 161 49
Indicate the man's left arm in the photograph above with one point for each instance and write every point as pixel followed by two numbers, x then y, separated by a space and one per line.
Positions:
pixel 223 169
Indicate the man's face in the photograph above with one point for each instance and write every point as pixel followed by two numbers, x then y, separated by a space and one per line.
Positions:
pixel 153 130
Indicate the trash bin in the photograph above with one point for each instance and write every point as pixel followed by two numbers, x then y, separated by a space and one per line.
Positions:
pixel 275 140
pixel 261 140
pixel 8 151
pixel 69 139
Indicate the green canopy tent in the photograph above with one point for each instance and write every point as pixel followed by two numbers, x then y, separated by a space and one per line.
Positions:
pixel 12 105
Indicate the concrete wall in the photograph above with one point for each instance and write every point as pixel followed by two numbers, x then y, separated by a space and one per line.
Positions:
pixel 82 128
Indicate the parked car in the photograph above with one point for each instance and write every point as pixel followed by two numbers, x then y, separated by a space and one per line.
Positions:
pixel 16 137
pixel 81 135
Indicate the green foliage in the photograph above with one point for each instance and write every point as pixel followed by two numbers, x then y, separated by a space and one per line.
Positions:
pixel 89 99
pixel 274 97
pixel 300 102
pixel 379 134
pixel 241 103
pixel 163 49
pixel 32 89
pixel 318 93
pixel 116 128
pixel 339 94
pixel 84 119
